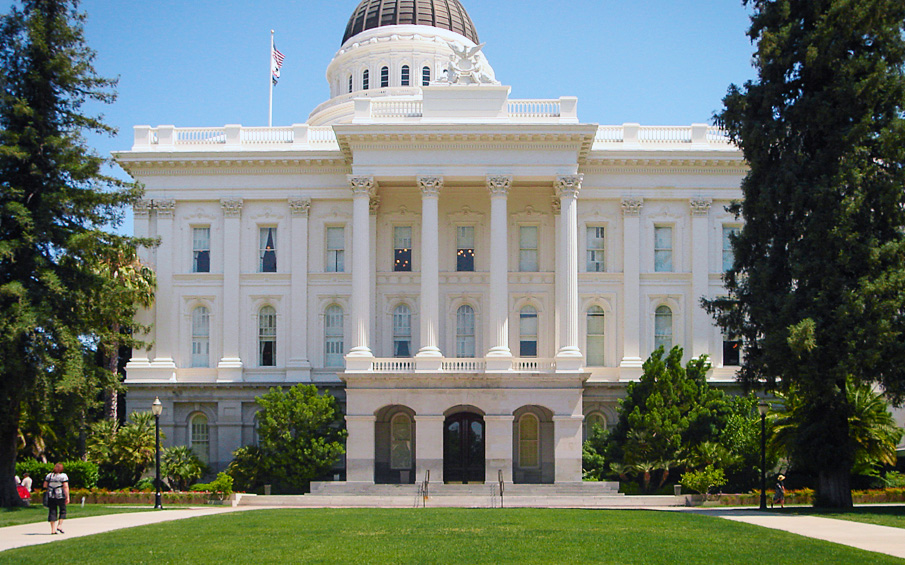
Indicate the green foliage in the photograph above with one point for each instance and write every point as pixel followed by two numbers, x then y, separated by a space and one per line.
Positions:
pixel 894 479
pixel 818 279
pixel 82 474
pixel 299 439
pixel 181 466
pixel 123 452
pixel 593 462
pixel 703 480
pixel 221 487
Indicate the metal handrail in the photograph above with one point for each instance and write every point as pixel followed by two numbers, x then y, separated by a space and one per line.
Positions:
pixel 500 476
pixel 425 488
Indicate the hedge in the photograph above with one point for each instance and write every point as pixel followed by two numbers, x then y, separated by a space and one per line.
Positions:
pixel 82 474
pixel 102 496
pixel 806 496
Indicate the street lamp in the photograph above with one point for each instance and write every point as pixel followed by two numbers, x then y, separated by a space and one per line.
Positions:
pixel 157 409
pixel 763 408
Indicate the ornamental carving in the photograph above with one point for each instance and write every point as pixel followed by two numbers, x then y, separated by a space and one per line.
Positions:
pixel 568 186
pixel 141 208
pixel 700 206
pixel 556 204
pixel 632 206
pixel 499 185
pixel 165 207
pixel 374 205
pixel 232 207
pixel 362 184
pixel 299 206
pixel 430 186
pixel 467 67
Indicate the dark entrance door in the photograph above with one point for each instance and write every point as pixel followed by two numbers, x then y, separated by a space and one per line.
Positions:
pixel 463 448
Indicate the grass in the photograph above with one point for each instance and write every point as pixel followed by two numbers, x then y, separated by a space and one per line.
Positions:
pixel 32 514
pixel 893 516
pixel 446 535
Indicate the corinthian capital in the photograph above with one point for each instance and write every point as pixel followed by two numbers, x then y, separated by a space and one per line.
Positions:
pixel 430 186
pixel 700 206
pixel 631 206
pixel 362 184
pixel 568 186
pixel 299 206
pixel 232 207
pixel 141 208
pixel 165 207
pixel 499 185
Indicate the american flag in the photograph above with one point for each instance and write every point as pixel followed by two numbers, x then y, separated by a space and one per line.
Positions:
pixel 276 63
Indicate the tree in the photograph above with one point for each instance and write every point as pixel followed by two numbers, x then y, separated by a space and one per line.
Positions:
pixel 55 203
pixel 181 467
pixel 123 453
pixel 299 440
pixel 817 288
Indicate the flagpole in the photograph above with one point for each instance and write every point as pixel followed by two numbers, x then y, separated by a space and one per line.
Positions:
pixel 270 81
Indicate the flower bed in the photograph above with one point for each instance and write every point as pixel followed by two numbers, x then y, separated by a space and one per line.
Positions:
pixel 103 496
pixel 806 496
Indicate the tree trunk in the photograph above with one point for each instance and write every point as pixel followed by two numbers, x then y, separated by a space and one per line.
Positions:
pixel 111 396
pixel 834 489
pixel 9 433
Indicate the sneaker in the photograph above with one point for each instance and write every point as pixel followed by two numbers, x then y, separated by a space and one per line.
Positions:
pixel 59 531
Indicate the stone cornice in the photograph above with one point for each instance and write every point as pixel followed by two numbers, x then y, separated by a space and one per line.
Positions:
pixel 190 164
pixel 666 165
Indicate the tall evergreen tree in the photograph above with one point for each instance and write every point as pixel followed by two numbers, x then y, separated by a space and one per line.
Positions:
pixel 55 202
pixel 817 290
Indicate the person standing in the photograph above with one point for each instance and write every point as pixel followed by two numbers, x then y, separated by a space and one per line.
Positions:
pixel 26 482
pixel 57 484
pixel 779 495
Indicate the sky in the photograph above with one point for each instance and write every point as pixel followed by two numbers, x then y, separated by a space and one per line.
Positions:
pixel 205 63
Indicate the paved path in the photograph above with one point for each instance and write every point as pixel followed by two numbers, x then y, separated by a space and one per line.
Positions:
pixel 38 533
pixel 881 539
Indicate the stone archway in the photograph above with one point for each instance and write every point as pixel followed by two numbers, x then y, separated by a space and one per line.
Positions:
pixel 463 448
pixel 394 445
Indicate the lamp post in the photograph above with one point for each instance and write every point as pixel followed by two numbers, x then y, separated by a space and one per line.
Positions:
pixel 763 408
pixel 157 409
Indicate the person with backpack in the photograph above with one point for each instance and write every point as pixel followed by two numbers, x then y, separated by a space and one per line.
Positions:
pixel 57 486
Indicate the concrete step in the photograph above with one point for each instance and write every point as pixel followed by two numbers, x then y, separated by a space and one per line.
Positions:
pixel 441 489
pixel 456 501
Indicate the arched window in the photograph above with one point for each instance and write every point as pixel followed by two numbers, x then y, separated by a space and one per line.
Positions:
pixel 465 337
pixel 528 441
pixel 384 77
pixel 406 79
pixel 426 76
pixel 267 337
pixel 333 336
pixel 401 442
pixel 365 79
pixel 527 332
pixel 596 341
pixel 402 331
pixel 350 83
pixel 663 328
pixel 200 437
pixel 201 337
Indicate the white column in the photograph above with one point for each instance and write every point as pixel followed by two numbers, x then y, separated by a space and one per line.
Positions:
pixel 141 211
pixel 167 312
pixel 499 356
pixel 360 449
pixel 373 207
pixel 558 293
pixel 567 448
pixel 298 367
pixel 700 274
pixel 498 447
pixel 359 357
pixel 230 366
pixel 429 355
pixel 631 283
pixel 429 447
pixel 569 356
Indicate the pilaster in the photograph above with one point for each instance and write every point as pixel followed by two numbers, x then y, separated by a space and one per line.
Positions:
pixel 429 447
pixel 429 356
pixel 141 211
pixel 567 448
pixel 569 357
pixel 498 447
pixel 298 367
pixel 631 261
pixel 166 310
pixel 700 274
pixel 360 356
pixel 499 357
pixel 229 369
pixel 360 451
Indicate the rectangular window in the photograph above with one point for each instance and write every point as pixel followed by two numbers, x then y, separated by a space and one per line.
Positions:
pixel 595 244
pixel 528 332
pixel 663 249
pixel 465 248
pixel 728 256
pixel 732 349
pixel 268 250
pixel 402 248
pixel 201 250
pixel 336 243
pixel 527 249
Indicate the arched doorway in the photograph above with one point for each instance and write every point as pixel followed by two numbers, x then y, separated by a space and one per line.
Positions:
pixel 463 448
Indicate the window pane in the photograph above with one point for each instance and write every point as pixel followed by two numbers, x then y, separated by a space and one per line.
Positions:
pixel 528 248
pixel 200 437
pixel 425 76
pixel 465 333
pixel 528 441
pixel 336 243
pixel 268 250
pixel 731 352
pixel 405 75
pixel 333 336
pixel 267 337
pixel 365 80
pixel 465 248
pixel 728 256
pixel 595 338
pixel 663 249
pixel 663 328
pixel 400 442
pixel 528 332
pixel 402 248
pixel 201 250
pixel 200 337
pixel 595 245
pixel 402 331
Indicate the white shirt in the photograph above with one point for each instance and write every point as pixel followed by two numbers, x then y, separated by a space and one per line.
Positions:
pixel 26 482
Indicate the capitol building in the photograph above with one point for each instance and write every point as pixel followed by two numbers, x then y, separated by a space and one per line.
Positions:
pixel 475 277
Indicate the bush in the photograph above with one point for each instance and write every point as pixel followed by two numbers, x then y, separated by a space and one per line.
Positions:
pixel 181 466
pixel 221 487
pixel 704 480
pixel 82 474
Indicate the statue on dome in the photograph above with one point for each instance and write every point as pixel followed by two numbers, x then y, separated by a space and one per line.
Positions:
pixel 465 67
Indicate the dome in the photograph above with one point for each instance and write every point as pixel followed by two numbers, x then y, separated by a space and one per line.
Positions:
pixel 443 14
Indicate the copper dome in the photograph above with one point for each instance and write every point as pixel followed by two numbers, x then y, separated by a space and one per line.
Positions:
pixel 443 14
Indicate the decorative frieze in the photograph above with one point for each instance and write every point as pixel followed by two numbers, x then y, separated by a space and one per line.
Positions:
pixel 430 186
pixel 362 184
pixel 631 206
pixel 499 185
pixel 165 207
pixel 373 205
pixel 232 207
pixel 568 186
pixel 299 206
pixel 141 208
pixel 700 206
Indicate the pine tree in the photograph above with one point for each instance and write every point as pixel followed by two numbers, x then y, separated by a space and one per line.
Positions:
pixel 55 202
pixel 817 290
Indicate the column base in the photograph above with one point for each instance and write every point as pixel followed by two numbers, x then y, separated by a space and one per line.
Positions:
pixel 428 361
pixel 498 359
pixel 631 363
pixel 359 361
pixel 569 359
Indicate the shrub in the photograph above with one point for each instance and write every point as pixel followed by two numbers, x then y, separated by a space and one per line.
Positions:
pixel 82 474
pixel 181 466
pixel 704 480
pixel 221 487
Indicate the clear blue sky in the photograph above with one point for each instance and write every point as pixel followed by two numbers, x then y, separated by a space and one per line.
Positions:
pixel 205 62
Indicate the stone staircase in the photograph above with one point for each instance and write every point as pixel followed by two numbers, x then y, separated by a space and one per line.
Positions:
pixel 362 495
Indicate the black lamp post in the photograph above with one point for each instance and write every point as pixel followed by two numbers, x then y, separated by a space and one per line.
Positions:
pixel 763 408
pixel 157 409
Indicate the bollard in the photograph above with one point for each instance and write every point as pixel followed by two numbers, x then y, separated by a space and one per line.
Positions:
pixel 677 490
pixel 83 502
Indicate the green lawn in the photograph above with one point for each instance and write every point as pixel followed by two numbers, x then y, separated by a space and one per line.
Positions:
pixel 446 536
pixel 893 516
pixel 17 516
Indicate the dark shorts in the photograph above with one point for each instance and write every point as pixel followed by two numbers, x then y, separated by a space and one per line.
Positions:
pixel 53 506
